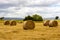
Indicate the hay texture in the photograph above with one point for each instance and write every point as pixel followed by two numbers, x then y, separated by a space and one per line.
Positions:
pixel 6 22
pixel 53 23
pixel 28 25
pixel 46 23
pixel 13 23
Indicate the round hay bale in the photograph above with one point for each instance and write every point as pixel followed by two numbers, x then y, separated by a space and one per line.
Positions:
pixel 28 25
pixel 46 23
pixel 6 22
pixel 13 23
pixel 53 23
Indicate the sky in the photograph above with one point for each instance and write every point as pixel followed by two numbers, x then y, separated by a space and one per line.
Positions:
pixel 22 8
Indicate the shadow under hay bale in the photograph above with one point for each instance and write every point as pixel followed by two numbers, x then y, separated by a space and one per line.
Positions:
pixel 28 25
pixel 13 23
pixel 46 23
pixel 6 22
pixel 53 23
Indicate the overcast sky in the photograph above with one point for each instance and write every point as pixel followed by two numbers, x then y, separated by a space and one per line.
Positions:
pixel 22 8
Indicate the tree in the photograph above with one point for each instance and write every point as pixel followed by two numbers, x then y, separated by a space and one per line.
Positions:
pixel 56 17
pixel 37 18
pixel 34 18
pixel 28 18
pixel 1 18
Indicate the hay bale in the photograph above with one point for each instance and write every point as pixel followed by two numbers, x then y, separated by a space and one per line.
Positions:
pixel 28 25
pixel 53 23
pixel 13 23
pixel 6 22
pixel 46 23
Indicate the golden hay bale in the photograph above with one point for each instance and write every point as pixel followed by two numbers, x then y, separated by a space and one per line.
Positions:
pixel 46 23
pixel 13 23
pixel 6 22
pixel 28 25
pixel 53 23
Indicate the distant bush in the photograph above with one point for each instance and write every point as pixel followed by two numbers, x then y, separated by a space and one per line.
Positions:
pixel 34 18
pixel 28 18
pixel 56 17
pixel 1 18
pixel 37 18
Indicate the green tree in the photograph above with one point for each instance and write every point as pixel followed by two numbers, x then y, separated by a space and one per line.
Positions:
pixel 56 17
pixel 1 18
pixel 37 18
pixel 28 18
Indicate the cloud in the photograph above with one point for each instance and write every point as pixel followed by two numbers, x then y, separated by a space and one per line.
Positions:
pixel 22 8
pixel 41 3
pixel 27 3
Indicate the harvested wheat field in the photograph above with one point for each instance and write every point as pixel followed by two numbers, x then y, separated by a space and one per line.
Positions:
pixel 39 33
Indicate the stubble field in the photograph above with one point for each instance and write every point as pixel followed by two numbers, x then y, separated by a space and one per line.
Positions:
pixel 39 33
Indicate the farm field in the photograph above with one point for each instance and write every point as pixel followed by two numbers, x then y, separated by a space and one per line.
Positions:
pixel 39 33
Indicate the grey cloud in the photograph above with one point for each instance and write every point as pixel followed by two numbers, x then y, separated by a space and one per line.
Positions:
pixel 6 11
pixel 12 4
pixel 43 4
pixel 24 4
pixel 46 12
pixel 4 6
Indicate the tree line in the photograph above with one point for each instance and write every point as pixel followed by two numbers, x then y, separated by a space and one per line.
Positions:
pixel 33 17
pixel 36 17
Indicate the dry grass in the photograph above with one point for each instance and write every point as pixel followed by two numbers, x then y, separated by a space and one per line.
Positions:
pixel 39 33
